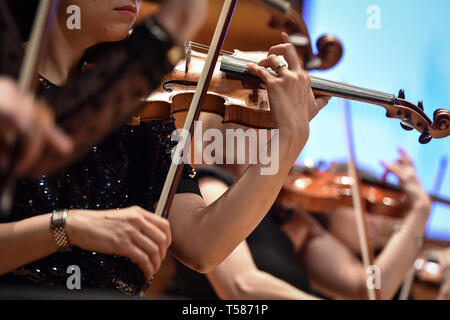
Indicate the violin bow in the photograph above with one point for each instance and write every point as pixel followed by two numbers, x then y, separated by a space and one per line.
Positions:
pixel 359 207
pixel 43 23
pixel 177 165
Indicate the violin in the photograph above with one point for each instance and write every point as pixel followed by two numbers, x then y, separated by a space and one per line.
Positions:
pixel 241 98
pixel 321 191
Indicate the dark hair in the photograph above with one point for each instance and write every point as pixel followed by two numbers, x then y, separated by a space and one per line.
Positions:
pixel 23 12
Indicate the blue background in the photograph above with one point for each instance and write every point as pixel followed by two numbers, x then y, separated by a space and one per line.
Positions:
pixel 411 50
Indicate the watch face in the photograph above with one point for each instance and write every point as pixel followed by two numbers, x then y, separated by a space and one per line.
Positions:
pixel 59 218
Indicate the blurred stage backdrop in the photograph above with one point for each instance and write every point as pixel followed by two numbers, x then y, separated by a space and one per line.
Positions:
pixel 410 50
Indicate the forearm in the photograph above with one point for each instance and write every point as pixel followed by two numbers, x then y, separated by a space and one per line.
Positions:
pixel 24 242
pixel 259 285
pixel 400 252
pixel 239 278
pixel 214 231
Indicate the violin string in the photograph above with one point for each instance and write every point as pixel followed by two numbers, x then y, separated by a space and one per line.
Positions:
pixel 205 47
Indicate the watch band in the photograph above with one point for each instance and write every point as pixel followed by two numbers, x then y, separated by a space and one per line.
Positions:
pixel 58 224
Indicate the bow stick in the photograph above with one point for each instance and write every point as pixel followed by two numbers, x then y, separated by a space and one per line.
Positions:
pixel 359 208
pixel 176 167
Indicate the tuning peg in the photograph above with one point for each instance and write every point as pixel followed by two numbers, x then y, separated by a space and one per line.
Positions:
pixel 401 94
pixel 425 137
pixel 420 104
pixel 312 62
pixel 299 40
pixel 407 123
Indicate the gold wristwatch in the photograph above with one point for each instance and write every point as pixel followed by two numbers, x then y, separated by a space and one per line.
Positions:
pixel 58 224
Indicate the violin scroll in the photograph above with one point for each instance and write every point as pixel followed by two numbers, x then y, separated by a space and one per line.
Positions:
pixel 330 51
pixel 414 117
pixel 441 120
pixel 329 47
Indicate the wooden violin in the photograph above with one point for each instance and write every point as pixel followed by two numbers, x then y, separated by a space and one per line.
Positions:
pixel 321 191
pixel 240 98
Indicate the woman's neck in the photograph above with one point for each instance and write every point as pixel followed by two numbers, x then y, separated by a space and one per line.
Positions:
pixel 65 50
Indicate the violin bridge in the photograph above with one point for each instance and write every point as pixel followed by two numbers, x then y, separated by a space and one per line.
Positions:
pixel 188 48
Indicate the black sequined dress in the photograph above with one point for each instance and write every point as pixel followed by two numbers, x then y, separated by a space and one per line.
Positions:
pixel 129 168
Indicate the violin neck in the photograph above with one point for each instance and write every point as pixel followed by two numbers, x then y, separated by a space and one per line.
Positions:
pixel 320 86
pixel 331 88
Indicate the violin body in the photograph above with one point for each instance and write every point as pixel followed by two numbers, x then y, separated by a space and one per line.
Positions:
pixel 240 102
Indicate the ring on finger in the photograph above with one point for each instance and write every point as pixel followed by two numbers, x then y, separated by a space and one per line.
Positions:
pixel 279 67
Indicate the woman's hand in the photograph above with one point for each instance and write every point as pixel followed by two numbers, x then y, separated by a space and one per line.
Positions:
pixel 27 127
pixel 403 168
pixel 132 232
pixel 291 98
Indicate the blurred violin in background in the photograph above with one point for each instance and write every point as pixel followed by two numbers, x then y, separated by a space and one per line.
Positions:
pixel 319 191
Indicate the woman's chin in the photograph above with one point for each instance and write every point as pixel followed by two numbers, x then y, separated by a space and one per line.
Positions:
pixel 119 33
